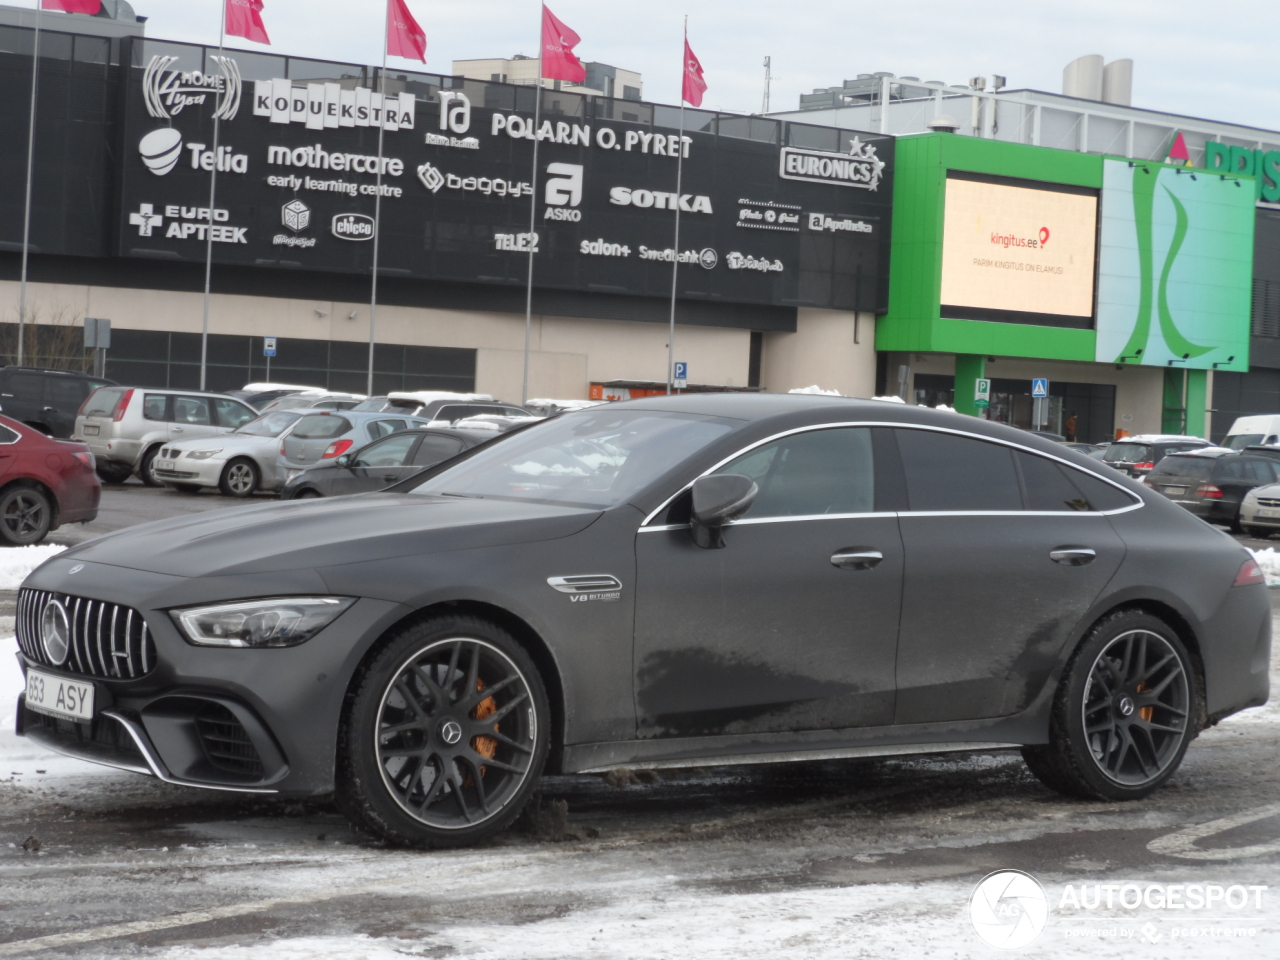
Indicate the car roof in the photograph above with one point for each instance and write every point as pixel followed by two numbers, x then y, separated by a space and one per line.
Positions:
pixel 431 396
pixel 183 393
pixel 1204 453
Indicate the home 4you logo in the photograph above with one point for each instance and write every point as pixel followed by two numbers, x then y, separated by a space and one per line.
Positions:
pixel 1010 909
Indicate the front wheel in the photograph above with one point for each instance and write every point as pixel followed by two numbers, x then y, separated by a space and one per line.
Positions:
pixel 25 516
pixel 239 478
pixel 113 472
pixel 1258 533
pixel 146 471
pixel 1124 712
pixel 446 735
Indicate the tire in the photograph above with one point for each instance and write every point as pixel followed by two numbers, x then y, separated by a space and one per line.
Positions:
pixel 1258 533
pixel 25 516
pixel 240 478
pixel 113 472
pixel 307 494
pixel 1133 743
pixel 188 488
pixel 455 783
pixel 144 468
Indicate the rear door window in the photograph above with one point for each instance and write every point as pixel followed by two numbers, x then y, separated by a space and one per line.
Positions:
pixel 380 428
pixel 320 427
pixel 193 410
pixel 1047 488
pixel 232 413
pixel 436 448
pixel 391 452
pixel 155 406
pixel 8 436
pixel 1100 494
pixel 948 473
pixel 452 412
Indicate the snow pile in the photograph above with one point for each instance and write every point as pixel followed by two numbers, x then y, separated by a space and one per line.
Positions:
pixel 890 399
pixel 943 406
pixel 817 391
pixel 1269 561
pixel 268 387
pixel 17 562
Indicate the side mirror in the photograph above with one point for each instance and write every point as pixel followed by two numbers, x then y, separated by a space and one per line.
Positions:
pixel 344 460
pixel 718 499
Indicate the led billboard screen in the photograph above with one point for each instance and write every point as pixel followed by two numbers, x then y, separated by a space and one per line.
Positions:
pixel 1018 251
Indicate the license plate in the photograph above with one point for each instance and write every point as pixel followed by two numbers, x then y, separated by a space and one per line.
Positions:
pixel 1175 491
pixel 59 696
pixel 1264 512
pixel 91 430
pixel 164 464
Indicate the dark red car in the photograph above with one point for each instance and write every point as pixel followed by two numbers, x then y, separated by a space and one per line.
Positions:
pixel 44 483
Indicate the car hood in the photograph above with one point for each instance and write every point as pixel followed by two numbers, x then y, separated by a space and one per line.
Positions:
pixel 305 534
pixel 225 442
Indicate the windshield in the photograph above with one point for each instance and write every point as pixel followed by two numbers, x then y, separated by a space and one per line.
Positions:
pixel 269 424
pixel 1127 453
pixel 593 458
pixel 1241 440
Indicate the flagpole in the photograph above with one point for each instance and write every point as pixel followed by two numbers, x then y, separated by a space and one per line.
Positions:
pixel 675 262
pixel 26 214
pixel 213 193
pixel 377 203
pixel 533 213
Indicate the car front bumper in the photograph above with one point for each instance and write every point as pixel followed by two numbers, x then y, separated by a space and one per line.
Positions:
pixel 198 473
pixel 1249 514
pixel 229 719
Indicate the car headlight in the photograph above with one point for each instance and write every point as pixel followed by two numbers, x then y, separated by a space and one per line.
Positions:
pixel 202 454
pixel 281 622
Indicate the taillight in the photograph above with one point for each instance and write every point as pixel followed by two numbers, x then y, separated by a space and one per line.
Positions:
pixel 1209 491
pixel 121 405
pixel 85 457
pixel 1250 573
pixel 336 449
pixel 1144 466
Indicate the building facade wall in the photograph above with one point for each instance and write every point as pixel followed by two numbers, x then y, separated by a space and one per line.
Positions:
pixel 831 349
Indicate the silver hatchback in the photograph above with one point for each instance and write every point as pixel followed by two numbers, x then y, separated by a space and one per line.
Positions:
pixel 325 435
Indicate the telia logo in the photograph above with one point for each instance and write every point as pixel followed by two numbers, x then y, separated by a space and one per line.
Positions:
pixel 353 226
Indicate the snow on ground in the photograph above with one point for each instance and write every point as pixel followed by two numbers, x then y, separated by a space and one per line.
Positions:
pixel 17 562
pixel 1269 561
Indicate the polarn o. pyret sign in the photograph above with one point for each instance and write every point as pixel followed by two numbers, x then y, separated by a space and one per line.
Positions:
pixel 298 176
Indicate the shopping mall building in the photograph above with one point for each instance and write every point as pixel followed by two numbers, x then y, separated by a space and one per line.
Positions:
pixel 780 279
pixel 893 237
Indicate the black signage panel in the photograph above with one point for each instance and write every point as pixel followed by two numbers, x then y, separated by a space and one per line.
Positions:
pixel 298 173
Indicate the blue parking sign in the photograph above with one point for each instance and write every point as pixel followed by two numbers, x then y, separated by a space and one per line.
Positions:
pixel 681 371
pixel 268 346
pixel 1040 387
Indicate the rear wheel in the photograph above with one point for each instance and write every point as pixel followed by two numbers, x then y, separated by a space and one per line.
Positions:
pixel 113 472
pixel 191 488
pixel 1124 713
pixel 446 735
pixel 1258 533
pixel 146 468
pixel 239 478
pixel 25 516
pixel 307 495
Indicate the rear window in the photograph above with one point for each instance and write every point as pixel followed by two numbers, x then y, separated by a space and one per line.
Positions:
pixel 1197 468
pixel 1128 453
pixel 320 427
pixel 102 402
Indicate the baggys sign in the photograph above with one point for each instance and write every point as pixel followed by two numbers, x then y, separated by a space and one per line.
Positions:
pixel 458 185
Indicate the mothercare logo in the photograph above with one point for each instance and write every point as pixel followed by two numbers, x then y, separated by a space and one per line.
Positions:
pixel 167 93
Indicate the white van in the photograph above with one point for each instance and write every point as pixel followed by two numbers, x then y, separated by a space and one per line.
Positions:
pixel 1249 431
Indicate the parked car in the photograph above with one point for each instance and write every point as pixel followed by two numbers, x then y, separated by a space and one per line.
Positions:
pixel 444 406
pixel 1212 482
pixel 1085 448
pixel 125 427
pixel 543 407
pixel 1136 456
pixel 383 462
pixel 258 395
pixel 239 464
pixel 1263 429
pixel 1260 511
pixel 322 400
pixel 44 483
pixel 47 400
pixel 327 435
pixel 678 581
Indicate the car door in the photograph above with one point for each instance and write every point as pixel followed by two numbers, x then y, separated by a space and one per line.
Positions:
pixel 434 448
pixel 378 465
pixel 62 399
pixel 9 442
pixel 1005 552
pixel 192 417
pixel 23 397
pixel 782 629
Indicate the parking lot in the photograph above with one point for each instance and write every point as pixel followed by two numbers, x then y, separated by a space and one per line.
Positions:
pixel 841 858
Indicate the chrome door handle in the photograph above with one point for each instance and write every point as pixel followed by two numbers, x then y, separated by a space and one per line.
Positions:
pixel 1073 556
pixel 856 559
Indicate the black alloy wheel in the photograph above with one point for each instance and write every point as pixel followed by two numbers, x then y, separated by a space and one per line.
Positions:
pixel 239 478
pixel 446 736
pixel 145 473
pixel 1124 714
pixel 25 516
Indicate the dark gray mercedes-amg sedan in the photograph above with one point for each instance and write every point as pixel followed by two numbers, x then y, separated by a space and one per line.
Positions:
pixel 670 582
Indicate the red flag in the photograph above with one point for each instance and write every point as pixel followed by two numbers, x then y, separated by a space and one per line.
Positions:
pixel 244 19
pixel 558 41
pixel 694 85
pixel 1178 151
pixel 72 6
pixel 404 37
